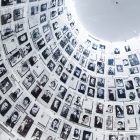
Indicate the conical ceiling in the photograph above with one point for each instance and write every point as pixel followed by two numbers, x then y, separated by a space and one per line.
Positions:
pixel 59 82
pixel 109 20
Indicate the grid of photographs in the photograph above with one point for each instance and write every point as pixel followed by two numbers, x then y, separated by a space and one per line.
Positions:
pixel 55 85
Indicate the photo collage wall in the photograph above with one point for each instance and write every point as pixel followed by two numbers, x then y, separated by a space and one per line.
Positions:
pixel 56 86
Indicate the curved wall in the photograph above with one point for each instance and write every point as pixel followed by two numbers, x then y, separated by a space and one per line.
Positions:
pixel 58 82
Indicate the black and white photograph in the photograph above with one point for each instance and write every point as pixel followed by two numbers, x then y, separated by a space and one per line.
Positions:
pixel 46 53
pixel 111 95
pixel 46 96
pixel 13 119
pixel 119 111
pixel 120 125
pixel 133 70
pixel 99 108
pixel 77 72
pixel 28 81
pixel 63 60
pixel 92 81
pixel 22 38
pixel 133 59
pixel 43 18
pixel 111 71
pixel 119 83
pixel 94 46
pixel 119 68
pixel 3 70
pixel 64 77
pixel 26 50
pixel 98 122
pixel 137 81
pixel 6 18
pixel 56 55
pixel 43 80
pixel 7 31
pixel 75 115
pixel 49 137
pixel 40 44
pixel 18 14
pixel 34 10
pixel 58 35
pixel 76 134
pixel 65 132
pixel 54 126
pixel 100 67
pixel 36 91
pixel 35 34
pixel 134 137
pixel 69 50
pixel 109 122
pixel 23 68
pixel 69 99
pixel 84 77
pixel 91 92
pixel 59 70
pixel 77 55
pixel 7 2
pixel 87 135
pixel 69 68
pixel 113 137
pixel 55 105
pixel 63 41
pixel 52 3
pixel 129 85
pixel 48 36
pixel 91 66
pixel 43 7
pixel 15 58
pixel 82 88
pixel 125 62
pixel 51 65
pixel 138 92
pixel 15 94
pixel 25 102
pixel 36 134
pixel 100 93
pixel 65 111
pixel 111 62
pixel 19 26
pixel 60 2
pixel 53 14
pixel 109 108
pixel 7 45
pixel 121 93
pixel 34 110
pixel 5 85
pixel 65 29
pixel 53 84
pixel 116 51
pixel 132 96
pixel 25 126
pixel 46 27
pixel 85 120
pixel 5 106
pixel 38 68
pixel 130 109
pixel 55 25
pixel 101 82
pixel 61 92
pixel 78 101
